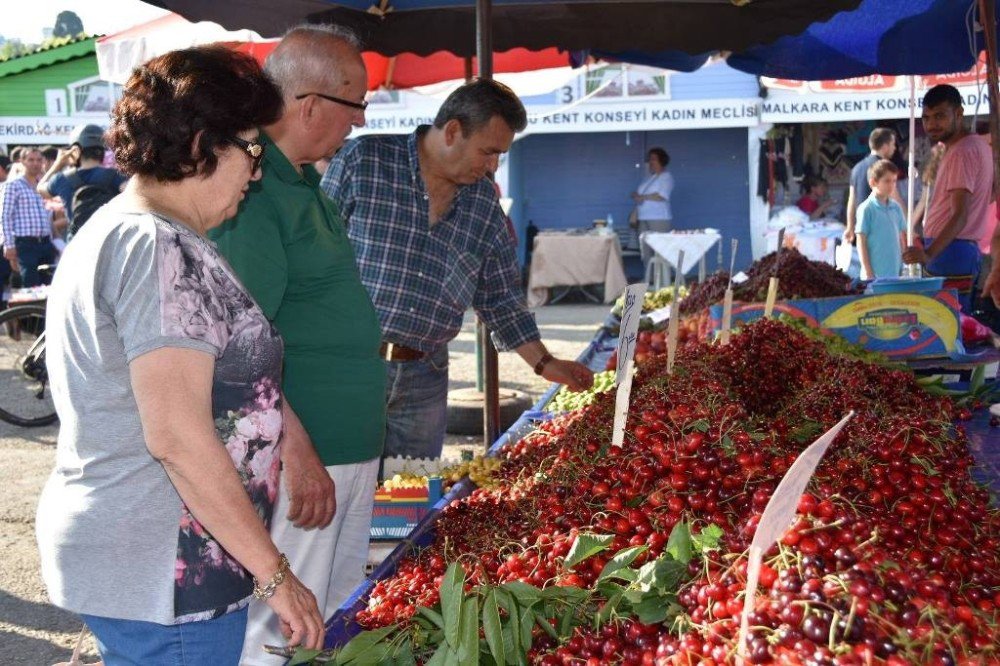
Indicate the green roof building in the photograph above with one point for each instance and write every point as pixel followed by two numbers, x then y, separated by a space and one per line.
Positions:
pixel 46 93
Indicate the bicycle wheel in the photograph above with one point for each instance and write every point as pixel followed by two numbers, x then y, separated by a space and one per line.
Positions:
pixel 25 398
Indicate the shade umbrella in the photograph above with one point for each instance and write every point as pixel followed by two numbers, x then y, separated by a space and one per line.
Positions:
pixel 877 37
pixel 119 53
pixel 425 26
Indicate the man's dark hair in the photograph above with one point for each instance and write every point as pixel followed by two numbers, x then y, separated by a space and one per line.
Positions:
pixel 17 153
pixel 943 94
pixel 661 155
pixel 211 92
pixel 475 103
pixel 880 137
pixel 95 153
pixel 50 153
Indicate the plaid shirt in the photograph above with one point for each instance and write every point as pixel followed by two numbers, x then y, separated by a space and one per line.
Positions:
pixel 22 212
pixel 423 278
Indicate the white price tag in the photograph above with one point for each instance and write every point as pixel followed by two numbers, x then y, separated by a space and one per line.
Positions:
pixel 778 516
pixel 621 403
pixel 627 333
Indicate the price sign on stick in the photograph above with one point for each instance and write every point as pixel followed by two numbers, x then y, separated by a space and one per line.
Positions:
pixel 629 328
pixel 772 285
pixel 727 302
pixel 778 516
pixel 675 319
pixel 621 403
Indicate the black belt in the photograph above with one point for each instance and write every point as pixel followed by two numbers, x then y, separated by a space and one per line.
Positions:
pixel 391 351
pixel 36 239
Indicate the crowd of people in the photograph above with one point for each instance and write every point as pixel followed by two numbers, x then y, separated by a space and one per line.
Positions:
pixel 236 339
pixel 954 220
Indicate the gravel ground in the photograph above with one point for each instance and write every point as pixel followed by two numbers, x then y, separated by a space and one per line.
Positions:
pixel 34 632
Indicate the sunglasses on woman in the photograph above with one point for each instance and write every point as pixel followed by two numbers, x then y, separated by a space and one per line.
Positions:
pixel 255 149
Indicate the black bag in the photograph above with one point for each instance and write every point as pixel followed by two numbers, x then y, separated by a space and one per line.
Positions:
pixel 88 197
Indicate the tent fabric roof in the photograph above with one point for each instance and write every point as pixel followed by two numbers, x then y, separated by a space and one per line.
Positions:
pixel 48 55
pixel 879 36
pixel 425 26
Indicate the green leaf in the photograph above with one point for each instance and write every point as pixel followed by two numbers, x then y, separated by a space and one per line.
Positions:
pixel 609 607
pixel 701 425
pixel 512 628
pixel 492 628
pixel 451 658
pixel 566 622
pixel 525 594
pixel 977 379
pixel 527 623
pixel 664 574
pixel 608 588
pixel 708 539
pixel 468 642
pixel 651 610
pixel 565 593
pixel 546 626
pixel 404 654
pixel 439 656
pixel 452 591
pixel 679 544
pixel 620 561
pixel 431 615
pixel 586 545
pixel 303 656
pixel 363 643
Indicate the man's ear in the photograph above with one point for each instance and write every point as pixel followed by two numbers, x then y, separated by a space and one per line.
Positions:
pixel 452 131
pixel 307 111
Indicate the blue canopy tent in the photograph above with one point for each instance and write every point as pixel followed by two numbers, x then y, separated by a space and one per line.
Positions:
pixel 877 37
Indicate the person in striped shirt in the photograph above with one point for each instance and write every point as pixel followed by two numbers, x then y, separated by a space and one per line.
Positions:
pixel 26 222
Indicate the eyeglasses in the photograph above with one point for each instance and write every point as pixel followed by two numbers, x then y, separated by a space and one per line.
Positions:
pixel 360 106
pixel 255 149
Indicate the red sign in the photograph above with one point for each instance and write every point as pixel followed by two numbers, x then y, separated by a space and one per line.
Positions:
pixel 859 84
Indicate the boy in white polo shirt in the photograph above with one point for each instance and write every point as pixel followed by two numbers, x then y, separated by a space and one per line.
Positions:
pixel 881 229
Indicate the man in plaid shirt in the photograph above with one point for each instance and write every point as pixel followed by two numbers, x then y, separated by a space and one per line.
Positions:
pixel 431 241
pixel 26 223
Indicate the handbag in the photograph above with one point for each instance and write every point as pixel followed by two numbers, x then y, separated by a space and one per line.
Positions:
pixel 633 218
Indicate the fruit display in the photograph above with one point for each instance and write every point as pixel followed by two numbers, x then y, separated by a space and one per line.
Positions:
pixel 652 300
pixel 403 487
pixel 480 471
pixel 566 401
pixel 581 553
pixel 798 277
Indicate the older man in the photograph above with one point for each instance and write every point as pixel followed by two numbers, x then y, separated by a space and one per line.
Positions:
pixel 289 245
pixel 27 224
pixel 432 241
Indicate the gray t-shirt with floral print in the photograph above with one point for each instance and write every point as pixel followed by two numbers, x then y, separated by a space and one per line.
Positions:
pixel 115 538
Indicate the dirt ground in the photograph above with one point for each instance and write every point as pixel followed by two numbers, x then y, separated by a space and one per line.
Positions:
pixel 34 632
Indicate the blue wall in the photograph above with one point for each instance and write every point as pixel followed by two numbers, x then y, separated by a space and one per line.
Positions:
pixel 562 181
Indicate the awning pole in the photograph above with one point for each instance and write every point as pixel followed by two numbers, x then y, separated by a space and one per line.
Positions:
pixel 988 19
pixel 912 270
pixel 485 349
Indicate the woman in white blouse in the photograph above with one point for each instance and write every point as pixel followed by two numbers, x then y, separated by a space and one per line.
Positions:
pixel 652 199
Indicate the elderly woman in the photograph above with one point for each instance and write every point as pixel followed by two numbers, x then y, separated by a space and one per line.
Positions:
pixel 166 375
pixel 652 199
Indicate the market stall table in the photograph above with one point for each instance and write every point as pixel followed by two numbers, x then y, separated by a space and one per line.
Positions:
pixel 817 241
pixel 667 245
pixel 573 259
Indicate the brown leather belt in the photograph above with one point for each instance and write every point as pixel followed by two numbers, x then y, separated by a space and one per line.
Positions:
pixel 391 351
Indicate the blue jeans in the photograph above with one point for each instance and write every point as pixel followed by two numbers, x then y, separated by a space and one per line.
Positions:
pixel 417 406
pixel 133 643
pixel 958 263
pixel 32 253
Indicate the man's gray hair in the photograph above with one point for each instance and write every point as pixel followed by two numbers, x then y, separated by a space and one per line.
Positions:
pixel 299 61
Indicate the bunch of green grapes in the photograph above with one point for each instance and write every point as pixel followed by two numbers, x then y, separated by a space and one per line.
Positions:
pixel 565 400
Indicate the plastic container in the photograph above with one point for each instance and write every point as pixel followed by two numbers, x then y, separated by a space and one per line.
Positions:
pixel 906 285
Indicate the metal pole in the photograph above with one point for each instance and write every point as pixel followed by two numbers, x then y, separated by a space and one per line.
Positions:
pixel 988 19
pixel 484 345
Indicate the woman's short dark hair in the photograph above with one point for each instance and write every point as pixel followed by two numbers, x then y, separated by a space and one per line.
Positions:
pixel 475 103
pixel 208 91
pixel 661 155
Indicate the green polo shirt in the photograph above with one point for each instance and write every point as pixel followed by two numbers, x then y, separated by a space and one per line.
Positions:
pixel 289 245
